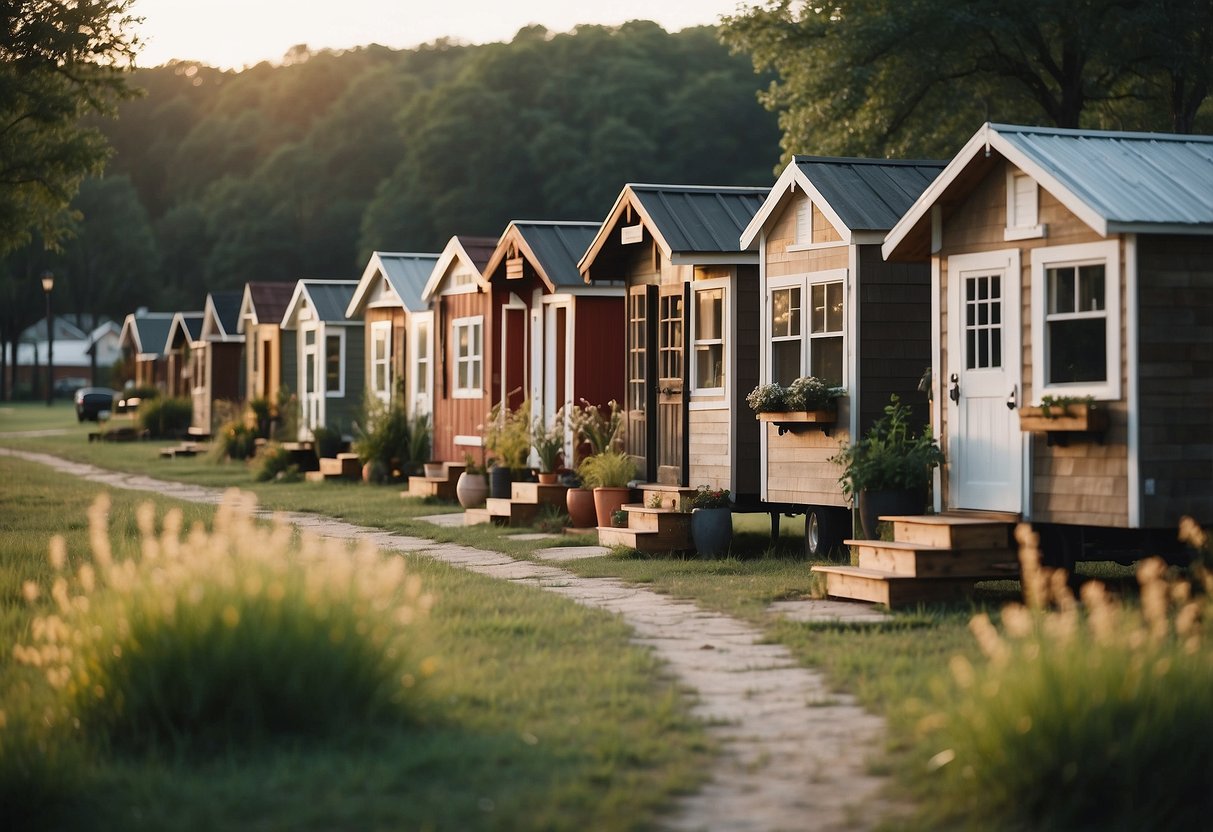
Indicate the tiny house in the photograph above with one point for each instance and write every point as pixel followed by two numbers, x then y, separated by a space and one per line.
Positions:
pixel 183 333
pixel 329 346
pixel 466 377
pixel 561 341
pixel 833 309
pixel 1072 269
pixel 691 334
pixel 215 359
pixel 144 342
pixel 269 358
pixel 399 328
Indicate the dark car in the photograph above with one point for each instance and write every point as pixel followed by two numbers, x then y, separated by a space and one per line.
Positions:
pixel 90 401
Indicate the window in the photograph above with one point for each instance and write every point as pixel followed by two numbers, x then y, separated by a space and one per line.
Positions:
pixel 462 277
pixel 334 364
pixel 637 349
pixel 825 332
pixel 1076 320
pixel 381 360
pixel 421 358
pixel 708 345
pixel 786 341
pixel 1023 207
pixel 804 222
pixel 816 349
pixel 468 337
pixel 983 321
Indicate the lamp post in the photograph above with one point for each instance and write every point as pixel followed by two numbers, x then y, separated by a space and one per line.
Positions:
pixel 48 283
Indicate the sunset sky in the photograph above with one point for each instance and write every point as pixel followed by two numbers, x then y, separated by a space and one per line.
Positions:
pixel 236 33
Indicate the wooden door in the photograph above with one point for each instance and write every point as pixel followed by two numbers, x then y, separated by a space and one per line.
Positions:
pixel 671 410
pixel 641 368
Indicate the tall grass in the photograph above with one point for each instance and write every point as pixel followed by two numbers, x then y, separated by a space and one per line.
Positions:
pixel 1086 713
pixel 209 640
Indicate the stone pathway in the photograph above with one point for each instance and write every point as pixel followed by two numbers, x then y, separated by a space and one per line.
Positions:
pixel 793 752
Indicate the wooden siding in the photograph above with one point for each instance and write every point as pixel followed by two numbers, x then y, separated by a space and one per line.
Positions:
pixel 798 470
pixel 459 417
pixel 710 449
pixel 747 349
pixel 780 262
pixel 266 381
pixel 599 350
pixel 1084 483
pixel 823 230
pixel 1175 372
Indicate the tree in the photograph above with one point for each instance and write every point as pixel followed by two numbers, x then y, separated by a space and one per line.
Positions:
pixel 915 77
pixel 58 62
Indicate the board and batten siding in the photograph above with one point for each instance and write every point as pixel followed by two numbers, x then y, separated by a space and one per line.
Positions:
pixel 1085 483
pixel 460 417
pixel 1175 378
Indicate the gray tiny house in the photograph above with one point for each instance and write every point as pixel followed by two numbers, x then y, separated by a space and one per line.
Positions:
pixel 834 309
pixel 330 350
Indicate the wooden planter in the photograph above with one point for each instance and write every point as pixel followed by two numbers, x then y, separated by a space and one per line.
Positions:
pixel 797 420
pixel 1075 420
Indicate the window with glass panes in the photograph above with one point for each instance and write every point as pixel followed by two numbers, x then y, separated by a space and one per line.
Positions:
pixel 786 337
pixel 637 349
pixel 708 344
pixel 421 356
pixel 825 331
pixel 381 357
pixel 1076 324
pixel 468 337
pixel 983 321
pixel 333 377
pixel 669 354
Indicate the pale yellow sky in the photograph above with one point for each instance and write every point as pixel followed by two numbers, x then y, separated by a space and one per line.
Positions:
pixel 236 33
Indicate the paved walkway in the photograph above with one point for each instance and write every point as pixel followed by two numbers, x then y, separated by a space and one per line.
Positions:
pixel 793 752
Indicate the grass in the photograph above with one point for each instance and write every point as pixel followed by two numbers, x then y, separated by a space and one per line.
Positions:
pixel 540 715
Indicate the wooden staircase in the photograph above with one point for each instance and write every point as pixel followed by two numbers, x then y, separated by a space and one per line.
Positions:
pixel 652 529
pixel 340 467
pixel 526 500
pixel 442 487
pixel 932 557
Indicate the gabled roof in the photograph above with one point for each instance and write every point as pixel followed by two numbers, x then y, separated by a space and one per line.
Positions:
pixel 264 303
pixel 186 328
pixel 686 221
pixel 147 332
pixel 1115 182
pixel 553 249
pixel 221 316
pixel 101 331
pixel 474 252
pixel 405 273
pixel 327 298
pixel 856 195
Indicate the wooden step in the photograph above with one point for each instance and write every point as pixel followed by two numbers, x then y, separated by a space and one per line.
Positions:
pixel 427 487
pixel 314 476
pixel 477 517
pixel 642 540
pixel 891 590
pixel 916 561
pixel 510 512
pixel 643 518
pixel 342 466
pixel 951 531
pixel 539 494
pixel 671 495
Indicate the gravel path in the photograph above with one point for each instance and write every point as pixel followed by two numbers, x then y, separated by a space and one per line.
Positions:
pixel 793 753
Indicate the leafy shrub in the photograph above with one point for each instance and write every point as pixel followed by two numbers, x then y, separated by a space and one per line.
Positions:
pixel 164 417
pixel 274 462
pixel 421 434
pixel 1082 717
pixel 214 640
pixel 261 416
pixel 601 430
pixel 507 436
pixel 326 442
pixel 890 456
pixel 609 469
pixel 386 437
pixel 234 440
pixel 705 497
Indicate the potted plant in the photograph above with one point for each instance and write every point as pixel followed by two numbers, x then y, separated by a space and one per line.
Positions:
pixel 888 471
pixel 711 521
pixel 471 488
pixel 608 473
pixel 599 428
pixel 548 443
pixel 806 401
pixel 384 441
pixel 507 437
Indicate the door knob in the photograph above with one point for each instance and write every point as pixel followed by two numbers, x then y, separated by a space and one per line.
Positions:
pixel 1013 399
pixel 954 392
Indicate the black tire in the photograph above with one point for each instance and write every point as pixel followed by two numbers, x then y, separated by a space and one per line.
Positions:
pixel 825 528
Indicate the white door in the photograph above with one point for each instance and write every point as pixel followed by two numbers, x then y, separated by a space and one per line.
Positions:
pixel 985 445
pixel 421 382
pixel 382 382
pixel 311 381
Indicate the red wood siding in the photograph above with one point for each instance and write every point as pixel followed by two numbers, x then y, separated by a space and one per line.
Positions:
pixel 600 350
pixel 460 417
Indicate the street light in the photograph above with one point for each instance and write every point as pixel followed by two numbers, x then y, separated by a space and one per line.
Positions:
pixel 48 283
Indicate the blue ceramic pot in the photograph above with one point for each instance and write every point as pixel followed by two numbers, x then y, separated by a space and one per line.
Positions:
pixel 712 531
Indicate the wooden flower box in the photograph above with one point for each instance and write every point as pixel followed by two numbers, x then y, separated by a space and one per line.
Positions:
pixel 1060 422
pixel 822 420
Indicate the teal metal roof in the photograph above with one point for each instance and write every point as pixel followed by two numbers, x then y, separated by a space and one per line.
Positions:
pixel 330 298
pixel 407 274
pixel 558 246
pixel 700 219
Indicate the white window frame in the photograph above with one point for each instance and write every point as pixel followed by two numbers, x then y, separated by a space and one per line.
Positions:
pixel 324 334
pixel 1032 229
pixel 1082 254
pixel 698 286
pixel 381 331
pixel 783 284
pixel 803 218
pixel 473 359
pixel 806 282
pixel 421 333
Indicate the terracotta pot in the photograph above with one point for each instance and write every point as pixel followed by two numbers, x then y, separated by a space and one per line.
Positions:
pixel 712 531
pixel 607 501
pixel 580 502
pixel 471 489
pixel 547 478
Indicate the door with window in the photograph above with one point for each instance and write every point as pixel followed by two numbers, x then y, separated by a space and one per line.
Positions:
pixel 311 403
pixel 640 368
pixel 671 406
pixel 985 445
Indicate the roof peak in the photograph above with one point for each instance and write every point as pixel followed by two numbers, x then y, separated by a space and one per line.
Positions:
pixel 857 160
pixel 1099 134
pixel 705 188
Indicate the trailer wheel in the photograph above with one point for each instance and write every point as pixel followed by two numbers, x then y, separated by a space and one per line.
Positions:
pixel 824 530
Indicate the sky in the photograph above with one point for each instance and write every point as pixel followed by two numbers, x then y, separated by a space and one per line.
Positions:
pixel 231 34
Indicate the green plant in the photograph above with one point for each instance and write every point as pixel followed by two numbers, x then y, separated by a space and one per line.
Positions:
pixel 601 430
pixel 551 520
pixel 548 443
pixel 805 393
pixel 707 497
pixel 261 416
pixel 165 417
pixel 609 469
pixel 215 640
pixel 471 466
pixel 287 413
pixel 234 440
pixel 655 500
pixel 421 433
pixel 507 434
pixel 274 462
pixel 619 519
pixel 387 436
pixel 1062 403
pixel 326 442
pixel 889 457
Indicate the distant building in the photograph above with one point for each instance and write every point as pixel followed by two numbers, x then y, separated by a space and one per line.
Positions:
pixel 74 348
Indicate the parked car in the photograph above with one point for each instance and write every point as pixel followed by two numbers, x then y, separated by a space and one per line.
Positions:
pixel 67 386
pixel 90 401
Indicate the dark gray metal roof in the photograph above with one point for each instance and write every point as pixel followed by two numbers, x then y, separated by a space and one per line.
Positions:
pixel 700 218
pixel 868 194
pixel 330 299
pixel 227 309
pixel 558 246
pixel 407 274
pixel 270 300
pixel 1153 178
pixel 151 331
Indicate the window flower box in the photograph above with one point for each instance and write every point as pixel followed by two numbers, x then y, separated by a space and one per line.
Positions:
pixel 800 420
pixel 1066 420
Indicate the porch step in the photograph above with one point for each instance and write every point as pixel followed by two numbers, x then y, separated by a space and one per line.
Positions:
pixel 641 540
pixel 477 517
pixel 510 512
pixel 431 487
pixel 650 530
pixel 916 561
pixel 670 523
pixel 671 495
pixel 952 531
pixel 534 493
pixel 342 466
pixel 891 590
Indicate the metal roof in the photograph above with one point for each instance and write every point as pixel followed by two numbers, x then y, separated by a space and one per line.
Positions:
pixel 699 218
pixel 269 300
pixel 227 309
pixel 558 246
pixel 187 325
pixel 868 194
pixel 330 298
pixel 407 274
pixel 1131 178
pixel 148 331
